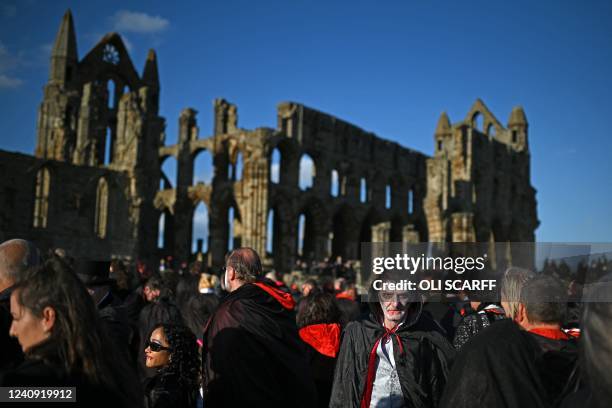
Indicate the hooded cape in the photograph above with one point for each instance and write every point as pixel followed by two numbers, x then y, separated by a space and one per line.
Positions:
pixel 253 355
pixel 324 338
pixel 422 368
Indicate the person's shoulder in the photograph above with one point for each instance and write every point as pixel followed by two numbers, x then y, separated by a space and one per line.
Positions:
pixel 353 329
pixel 504 333
pixel 426 328
pixel 354 325
pixel 470 322
pixel 504 326
pixel 425 323
pixel 231 310
pixel 567 346
pixel 249 297
pixel 162 386
pixel 33 372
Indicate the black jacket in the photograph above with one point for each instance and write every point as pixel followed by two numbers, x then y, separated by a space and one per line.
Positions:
pixel 557 364
pixel 43 368
pixel 10 350
pixel 252 353
pixel 422 369
pixel 164 391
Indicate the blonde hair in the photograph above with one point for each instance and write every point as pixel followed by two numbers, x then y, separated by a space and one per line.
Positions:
pixel 208 283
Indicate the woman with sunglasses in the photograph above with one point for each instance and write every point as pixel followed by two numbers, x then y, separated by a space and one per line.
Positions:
pixel 172 350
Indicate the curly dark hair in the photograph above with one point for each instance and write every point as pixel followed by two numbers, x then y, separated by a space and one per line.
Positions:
pixel 318 308
pixel 197 309
pixel 184 361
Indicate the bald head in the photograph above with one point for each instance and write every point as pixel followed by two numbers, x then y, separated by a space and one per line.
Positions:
pixel 16 257
pixel 246 263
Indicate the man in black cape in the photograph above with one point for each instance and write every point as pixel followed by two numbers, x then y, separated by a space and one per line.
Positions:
pixel 398 357
pixel 528 362
pixel 252 353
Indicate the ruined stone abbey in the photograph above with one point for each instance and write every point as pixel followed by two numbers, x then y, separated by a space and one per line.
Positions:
pixel 313 187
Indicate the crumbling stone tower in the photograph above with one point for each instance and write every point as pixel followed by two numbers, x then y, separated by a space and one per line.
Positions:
pixel 99 112
pixel 478 181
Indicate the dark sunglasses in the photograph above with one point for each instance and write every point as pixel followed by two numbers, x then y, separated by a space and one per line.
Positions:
pixel 155 346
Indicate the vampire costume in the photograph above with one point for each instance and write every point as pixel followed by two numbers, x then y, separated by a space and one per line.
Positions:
pixel 414 373
pixel 252 353
pixel 505 366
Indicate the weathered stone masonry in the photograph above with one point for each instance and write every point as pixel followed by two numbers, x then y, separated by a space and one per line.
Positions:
pixel 94 187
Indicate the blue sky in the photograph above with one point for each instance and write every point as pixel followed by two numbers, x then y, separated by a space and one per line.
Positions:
pixel 389 67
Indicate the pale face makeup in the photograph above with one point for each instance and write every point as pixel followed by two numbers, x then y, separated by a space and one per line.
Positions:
pixel 394 307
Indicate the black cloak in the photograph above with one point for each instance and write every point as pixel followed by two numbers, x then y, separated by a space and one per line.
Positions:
pixel 10 350
pixel 505 366
pixel 252 353
pixel 422 369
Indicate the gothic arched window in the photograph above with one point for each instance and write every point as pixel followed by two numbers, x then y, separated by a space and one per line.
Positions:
pixel 41 199
pixel 101 208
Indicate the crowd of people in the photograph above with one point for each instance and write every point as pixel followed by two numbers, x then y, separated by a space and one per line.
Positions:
pixel 182 338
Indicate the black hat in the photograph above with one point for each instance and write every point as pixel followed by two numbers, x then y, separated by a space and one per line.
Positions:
pixel 93 273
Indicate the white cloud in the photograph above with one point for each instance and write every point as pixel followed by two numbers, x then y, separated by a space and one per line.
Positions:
pixel 137 22
pixel 9 82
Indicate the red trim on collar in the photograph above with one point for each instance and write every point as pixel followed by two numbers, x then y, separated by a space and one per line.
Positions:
pixel 371 373
pixel 347 294
pixel 285 299
pixel 553 334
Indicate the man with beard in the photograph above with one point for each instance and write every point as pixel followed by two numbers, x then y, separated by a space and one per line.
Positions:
pixel 399 357
pixel 252 353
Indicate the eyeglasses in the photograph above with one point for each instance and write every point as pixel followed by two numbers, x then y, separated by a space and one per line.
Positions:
pixel 155 346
